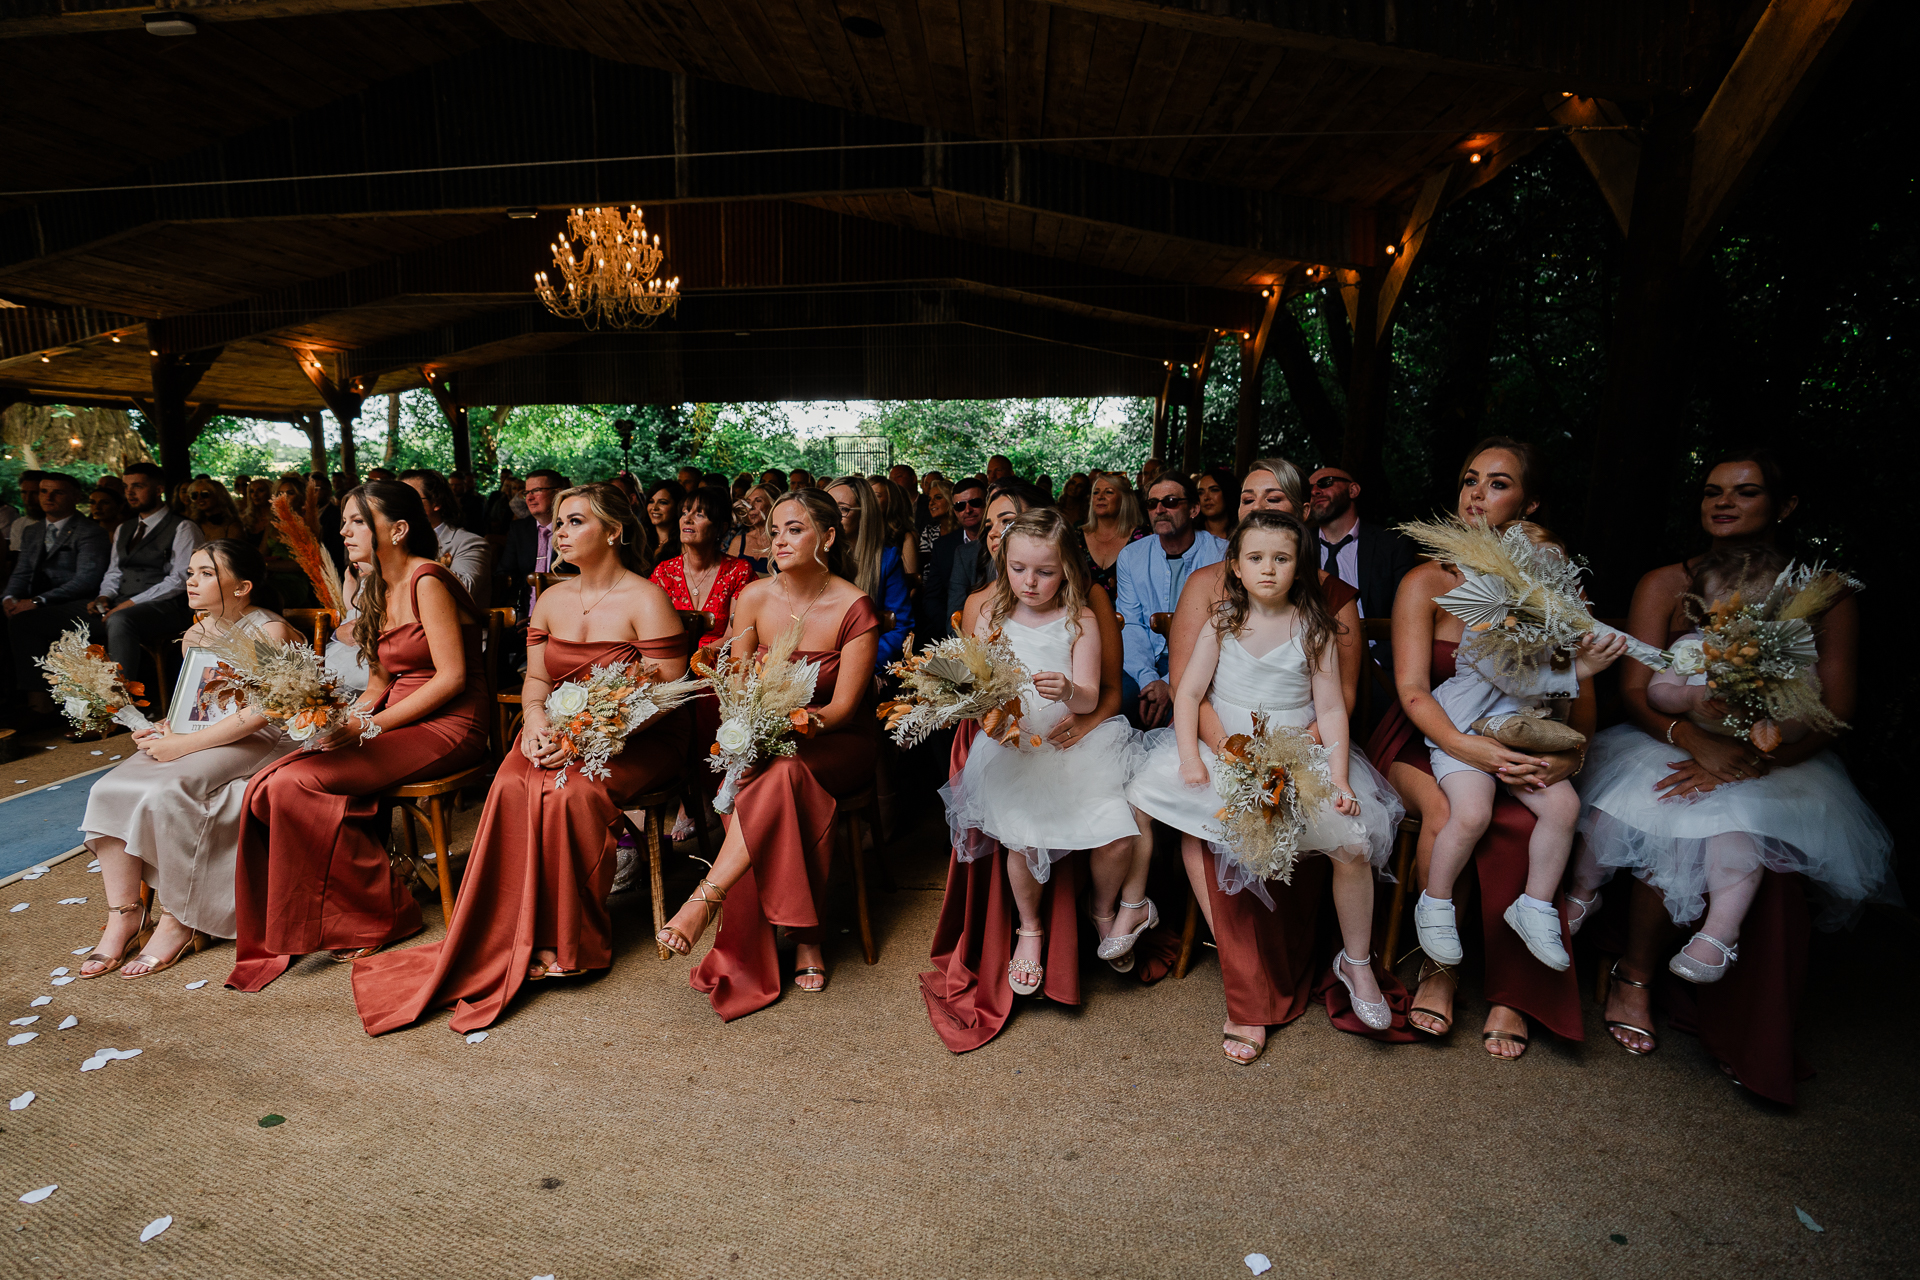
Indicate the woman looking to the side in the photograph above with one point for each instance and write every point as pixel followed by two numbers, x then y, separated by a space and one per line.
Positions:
pixel 171 814
pixel 664 501
pixel 533 901
pixel 896 512
pixel 703 576
pixel 874 560
pixel 940 519
pixel 313 873
pixel 751 541
pixel 772 867
pixel 1498 484
pixel 1113 520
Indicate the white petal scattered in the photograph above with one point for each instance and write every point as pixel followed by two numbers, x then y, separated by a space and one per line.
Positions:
pixel 81 951
pixel 195 986
pixel 69 1024
pixel 1807 1221
pixel 475 1037
pixel 20 1103
pixel 94 870
pixel 1258 1263
pixel 18 906
pixel 35 1197
pixel 37 1001
pixel 33 873
pixel 61 972
pixel 18 781
pixel 113 757
pixel 96 753
pixel 73 902
pixel 50 748
pixel 23 1037
pixel 543 1278
pixel 55 787
pixel 155 1227
pixel 27 1021
pixel 93 1064
pixel 94 865
pixel 61 982
pixel 101 1057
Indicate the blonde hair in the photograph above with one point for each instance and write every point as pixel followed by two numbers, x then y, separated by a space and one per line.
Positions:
pixel 1044 525
pixel 1291 482
pixel 1129 514
pixel 938 485
pixel 823 513
pixel 610 507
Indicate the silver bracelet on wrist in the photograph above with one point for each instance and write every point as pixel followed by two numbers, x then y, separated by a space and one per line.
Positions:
pixel 369 731
pixel 1671 726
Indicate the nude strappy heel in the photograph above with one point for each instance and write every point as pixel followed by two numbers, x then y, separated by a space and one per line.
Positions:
pixel 196 943
pixel 674 943
pixel 1615 975
pixel 127 952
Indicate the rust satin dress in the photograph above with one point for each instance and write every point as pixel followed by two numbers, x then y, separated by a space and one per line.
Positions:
pixel 786 815
pixel 541 868
pixel 312 874
pixel 1514 978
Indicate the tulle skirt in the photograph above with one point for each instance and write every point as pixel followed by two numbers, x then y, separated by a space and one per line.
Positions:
pixel 1807 817
pixel 1157 789
pixel 1044 802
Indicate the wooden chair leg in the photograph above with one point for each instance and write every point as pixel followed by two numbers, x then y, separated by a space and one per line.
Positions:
pixel 440 830
pixel 696 807
pixel 1402 874
pixel 860 886
pixel 656 882
pixel 1188 930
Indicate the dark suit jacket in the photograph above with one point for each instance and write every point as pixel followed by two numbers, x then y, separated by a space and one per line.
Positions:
pixel 1385 557
pixel 523 545
pixel 934 577
pixel 70 571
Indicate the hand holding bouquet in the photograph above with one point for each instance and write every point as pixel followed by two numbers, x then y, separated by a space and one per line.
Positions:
pixel 960 678
pixel 1271 780
pixel 1759 658
pixel 593 718
pixel 89 686
pixel 286 683
pixel 763 704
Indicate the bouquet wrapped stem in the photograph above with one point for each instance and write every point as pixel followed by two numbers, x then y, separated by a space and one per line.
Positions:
pixel 594 717
pixel 960 678
pixel 763 706
pixel 90 687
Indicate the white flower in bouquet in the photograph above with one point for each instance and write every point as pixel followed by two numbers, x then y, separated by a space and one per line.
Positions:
pixel 733 736
pixel 76 709
pixel 593 718
pixel 763 704
pixel 1689 657
pixel 90 686
pixel 569 700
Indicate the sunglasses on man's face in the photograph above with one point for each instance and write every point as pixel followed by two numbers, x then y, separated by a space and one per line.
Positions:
pixel 1153 504
pixel 1328 482
pixel 969 504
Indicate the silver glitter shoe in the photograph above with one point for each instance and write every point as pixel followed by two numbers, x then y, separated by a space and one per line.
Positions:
pixel 1433 921
pixel 1121 944
pixel 1375 1013
pixel 1685 966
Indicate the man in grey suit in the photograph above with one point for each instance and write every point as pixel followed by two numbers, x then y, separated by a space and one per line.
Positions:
pixel 142 599
pixel 465 553
pixel 62 560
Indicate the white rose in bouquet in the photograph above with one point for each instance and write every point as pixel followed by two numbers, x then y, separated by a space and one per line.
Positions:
pixel 76 708
pixel 567 701
pixel 733 736
pixel 1689 658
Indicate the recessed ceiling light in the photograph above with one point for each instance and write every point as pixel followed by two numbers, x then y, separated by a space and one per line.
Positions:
pixel 522 213
pixel 865 28
pixel 168 24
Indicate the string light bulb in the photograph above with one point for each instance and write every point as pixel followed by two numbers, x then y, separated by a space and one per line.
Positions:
pixel 1473 157
pixel 116 337
pixel 1392 249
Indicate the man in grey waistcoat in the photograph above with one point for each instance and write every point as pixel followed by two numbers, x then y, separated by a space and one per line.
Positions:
pixel 61 562
pixel 143 598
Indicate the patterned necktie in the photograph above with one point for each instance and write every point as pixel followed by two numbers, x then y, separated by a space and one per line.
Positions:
pixel 543 558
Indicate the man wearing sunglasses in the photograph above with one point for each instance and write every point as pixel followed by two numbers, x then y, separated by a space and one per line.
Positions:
pixel 1151 572
pixel 1361 555
pixel 949 550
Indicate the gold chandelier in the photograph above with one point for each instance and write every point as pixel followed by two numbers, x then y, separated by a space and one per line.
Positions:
pixel 611 283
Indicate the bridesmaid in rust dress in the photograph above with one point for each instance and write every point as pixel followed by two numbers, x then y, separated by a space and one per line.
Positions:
pixel 533 902
pixel 772 867
pixel 1494 486
pixel 313 872
pixel 1267 960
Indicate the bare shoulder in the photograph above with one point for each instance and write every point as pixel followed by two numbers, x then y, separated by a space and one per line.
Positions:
pixel 278 629
pixel 1668 580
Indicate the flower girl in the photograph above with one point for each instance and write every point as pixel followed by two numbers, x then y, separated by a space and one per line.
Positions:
pixel 1035 799
pixel 1270 652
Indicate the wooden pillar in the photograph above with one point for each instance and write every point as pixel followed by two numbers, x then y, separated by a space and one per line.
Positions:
pixel 174 375
pixel 311 423
pixel 1361 451
pixel 343 403
pixel 1253 355
pixel 1196 406
pixel 456 416
pixel 1160 416
pixel 393 427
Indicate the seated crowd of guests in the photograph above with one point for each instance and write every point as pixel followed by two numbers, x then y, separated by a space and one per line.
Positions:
pixel 1156 616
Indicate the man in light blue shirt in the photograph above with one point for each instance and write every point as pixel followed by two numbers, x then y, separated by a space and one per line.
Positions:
pixel 1151 572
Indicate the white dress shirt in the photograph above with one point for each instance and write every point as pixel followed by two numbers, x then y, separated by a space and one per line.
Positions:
pixel 1346 561
pixel 187 539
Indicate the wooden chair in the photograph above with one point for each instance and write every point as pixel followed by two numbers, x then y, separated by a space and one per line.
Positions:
pixel 429 803
pixel 855 812
pixel 1374 681
pixel 317 625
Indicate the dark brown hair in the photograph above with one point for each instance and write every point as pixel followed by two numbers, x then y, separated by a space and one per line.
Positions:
pixel 396 502
pixel 1532 484
pixel 1317 625
pixel 824 514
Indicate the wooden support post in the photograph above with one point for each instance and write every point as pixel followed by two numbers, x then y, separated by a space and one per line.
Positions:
pixel 1196 406
pixel 456 415
pixel 1361 450
pixel 175 375
pixel 311 424
pixel 343 403
pixel 1160 416
pixel 393 427
pixel 1253 356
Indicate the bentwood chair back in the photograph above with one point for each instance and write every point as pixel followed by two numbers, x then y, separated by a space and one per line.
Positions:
pixel 315 625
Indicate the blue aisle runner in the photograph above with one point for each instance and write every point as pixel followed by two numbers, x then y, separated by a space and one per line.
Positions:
pixel 43 822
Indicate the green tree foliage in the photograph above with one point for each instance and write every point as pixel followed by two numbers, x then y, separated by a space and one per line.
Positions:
pixel 1040 437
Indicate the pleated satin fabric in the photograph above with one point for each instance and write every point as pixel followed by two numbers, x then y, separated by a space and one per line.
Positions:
pixel 540 871
pixel 313 874
pixel 786 815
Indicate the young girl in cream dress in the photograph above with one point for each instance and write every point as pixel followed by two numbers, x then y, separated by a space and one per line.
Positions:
pixel 1042 802
pixel 1269 650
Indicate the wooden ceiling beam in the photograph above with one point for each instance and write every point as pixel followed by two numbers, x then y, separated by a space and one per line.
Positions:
pixel 128 16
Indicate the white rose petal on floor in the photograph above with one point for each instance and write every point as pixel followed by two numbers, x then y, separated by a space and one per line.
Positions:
pixel 81 951
pixel 27 1021
pixel 155 1227
pixel 20 1103
pixel 72 902
pixel 475 1037
pixel 68 1025
pixel 1258 1263
pixel 23 1037
pixel 63 981
pixel 36 1196
pixel 37 1001
pixel 61 972
pixel 101 1057
pixel 1806 1220
pixel 19 906
pixel 195 986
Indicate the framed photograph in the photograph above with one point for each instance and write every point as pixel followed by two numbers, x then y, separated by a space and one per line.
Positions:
pixel 186 715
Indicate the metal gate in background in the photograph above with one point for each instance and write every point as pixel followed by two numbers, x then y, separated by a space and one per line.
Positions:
pixel 862 455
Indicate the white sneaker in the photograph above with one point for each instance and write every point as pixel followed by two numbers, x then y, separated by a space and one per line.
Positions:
pixel 1540 930
pixel 1433 922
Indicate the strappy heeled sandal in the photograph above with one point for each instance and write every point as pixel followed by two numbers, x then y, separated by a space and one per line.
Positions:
pixel 1431 968
pixel 196 943
pixel 801 973
pixel 1258 1046
pixel 1685 966
pixel 1510 1037
pixel 1025 976
pixel 541 972
pixel 1587 907
pixel 128 952
pixel 1614 975
pixel 669 936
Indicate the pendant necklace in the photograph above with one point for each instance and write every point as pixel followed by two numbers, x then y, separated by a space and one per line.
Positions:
pixel 587 608
pixel 802 616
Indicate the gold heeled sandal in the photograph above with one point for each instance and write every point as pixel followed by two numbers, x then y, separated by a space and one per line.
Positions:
pixel 1258 1046
pixel 140 934
pixel 669 936
pixel 1431 968
pixel 196 943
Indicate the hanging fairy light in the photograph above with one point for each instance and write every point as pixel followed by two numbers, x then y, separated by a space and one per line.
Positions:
pixel 611 280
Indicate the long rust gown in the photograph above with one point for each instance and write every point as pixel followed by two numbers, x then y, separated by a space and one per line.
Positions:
pixel 540 871
pixel 312 873
pixel 1514 978
pixel 786 814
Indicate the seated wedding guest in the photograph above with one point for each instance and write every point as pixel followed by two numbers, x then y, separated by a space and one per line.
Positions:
pixel 1360 554
pixel 800 478
pixel 211 507
pixel 530 539
pixel 143 596
pixel 875 561
pixel 468 513
pixel 950 565
pixel 896 510
pixel 1722 839
pixel 775 479
pixel 1113 521
pixel 703 576
pixel 313 873
pixel 53 583
pixel 106 508
pixel 498 513
pixel 999 469
pixel 1006 502
pixel 663 520
pixel 170 815
pixel 688 478
pixel 1151 573
pixel 466 554
pixel 1499 483
pixel 29 514
pixel 532 903
pixel 939 520
pixel 772 867
pixel 1214 511
pixel 750 541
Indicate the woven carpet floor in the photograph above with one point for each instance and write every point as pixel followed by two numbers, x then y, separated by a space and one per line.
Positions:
pixel 615 1128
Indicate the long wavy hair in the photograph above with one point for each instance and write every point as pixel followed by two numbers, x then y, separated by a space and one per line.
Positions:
pixel 1531 478
pixel 392 501
pixel 1292 483
pixel 1317 625
pixel 1045 525
pixel 871 540
pixel 610 507
pixel 823 513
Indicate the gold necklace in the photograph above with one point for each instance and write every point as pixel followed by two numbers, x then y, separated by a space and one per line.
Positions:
pixel 588 608
pixel 825 580
pixel 693 596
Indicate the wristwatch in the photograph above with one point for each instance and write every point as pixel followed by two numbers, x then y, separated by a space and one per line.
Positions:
pixel 39 601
